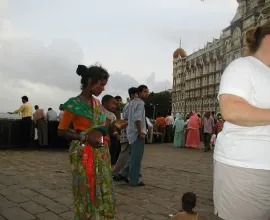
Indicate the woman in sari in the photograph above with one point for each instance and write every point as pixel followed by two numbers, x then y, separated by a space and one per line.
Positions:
pixel 179 136
pixel 92 184
pixel 193 136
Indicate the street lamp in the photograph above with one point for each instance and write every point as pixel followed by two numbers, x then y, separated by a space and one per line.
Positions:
pixel 154 106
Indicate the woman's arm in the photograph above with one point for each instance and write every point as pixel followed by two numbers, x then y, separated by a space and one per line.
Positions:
pixel 235 94
pixel 63 128
pixel 92 137
pixel 68 135
pixel 238 111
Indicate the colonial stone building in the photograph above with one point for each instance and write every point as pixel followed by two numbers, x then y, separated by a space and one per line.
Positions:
pixel 196 77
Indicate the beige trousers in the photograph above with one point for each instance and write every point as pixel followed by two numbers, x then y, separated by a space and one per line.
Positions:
pixel 241 193
pixel 42 127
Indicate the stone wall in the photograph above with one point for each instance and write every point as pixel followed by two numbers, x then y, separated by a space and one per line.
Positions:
pixel 10 134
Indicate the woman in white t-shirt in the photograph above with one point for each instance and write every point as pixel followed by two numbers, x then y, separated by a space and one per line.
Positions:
pixel 242 153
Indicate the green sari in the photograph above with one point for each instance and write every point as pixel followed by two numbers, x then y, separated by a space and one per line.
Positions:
pixel 179 136
pixel 92 184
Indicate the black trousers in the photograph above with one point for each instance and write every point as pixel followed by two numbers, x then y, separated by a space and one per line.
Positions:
pixel 115 149
pixel 207 140
pixel 26 131
pixel 52 133
pixel 169 133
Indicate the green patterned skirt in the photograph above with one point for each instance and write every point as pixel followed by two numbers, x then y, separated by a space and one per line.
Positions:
pixel 92 185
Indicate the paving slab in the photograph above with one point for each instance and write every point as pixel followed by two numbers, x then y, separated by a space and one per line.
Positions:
pixel 36 184
pixel 49 216
pixel 16 213
pixel 2 218
pixel 33 207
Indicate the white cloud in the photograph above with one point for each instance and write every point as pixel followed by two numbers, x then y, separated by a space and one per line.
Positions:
pixel 3 8
pixel 47 73
pixel 157 85
pixel 43 42
pixel 39 94
pixel 8 31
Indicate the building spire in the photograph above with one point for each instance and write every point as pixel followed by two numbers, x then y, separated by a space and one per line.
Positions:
pixel 180 43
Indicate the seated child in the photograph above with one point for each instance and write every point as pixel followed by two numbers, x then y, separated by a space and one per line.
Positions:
pixel 188 204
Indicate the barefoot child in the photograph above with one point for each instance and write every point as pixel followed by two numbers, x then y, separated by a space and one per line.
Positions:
pixel 188 204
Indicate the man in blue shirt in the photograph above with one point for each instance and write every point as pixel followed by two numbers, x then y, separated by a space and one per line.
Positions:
pixel 123 157
pixel 136 132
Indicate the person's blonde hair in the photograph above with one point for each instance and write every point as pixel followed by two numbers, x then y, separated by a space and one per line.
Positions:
pixel 254 37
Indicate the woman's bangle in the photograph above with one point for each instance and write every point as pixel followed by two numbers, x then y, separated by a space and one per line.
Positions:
pixel 83 137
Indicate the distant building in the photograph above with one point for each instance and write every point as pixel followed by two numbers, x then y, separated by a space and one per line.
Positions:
pixel 196 77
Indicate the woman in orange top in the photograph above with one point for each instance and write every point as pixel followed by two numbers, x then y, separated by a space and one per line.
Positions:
pixel 161 123
pixel 92 184
pixel 219 124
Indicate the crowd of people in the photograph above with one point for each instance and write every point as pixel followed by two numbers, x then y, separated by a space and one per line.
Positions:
pixel 241 176
pixel 104 140
pixel 37 125
pixel 107 143
pixel 195 129
pixel 191 131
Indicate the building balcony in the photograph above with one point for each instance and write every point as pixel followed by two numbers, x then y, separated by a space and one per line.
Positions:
pixel 218 67
pixel 212 70
pixel 217 82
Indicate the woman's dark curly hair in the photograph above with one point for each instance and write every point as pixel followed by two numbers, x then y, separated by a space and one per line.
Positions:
pixel 94 72
pixel 255 36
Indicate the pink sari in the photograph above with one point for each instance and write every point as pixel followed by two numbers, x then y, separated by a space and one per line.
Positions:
pixel 193 136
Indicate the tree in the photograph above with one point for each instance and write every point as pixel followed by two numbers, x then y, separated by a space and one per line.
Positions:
pixel 161 101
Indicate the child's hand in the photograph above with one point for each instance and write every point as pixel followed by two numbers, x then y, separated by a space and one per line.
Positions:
pixel 120 124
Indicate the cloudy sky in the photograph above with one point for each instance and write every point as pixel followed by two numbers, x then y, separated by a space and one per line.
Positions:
pixel 42 42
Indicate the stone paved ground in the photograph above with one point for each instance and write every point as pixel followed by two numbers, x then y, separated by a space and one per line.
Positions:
pixel 36 184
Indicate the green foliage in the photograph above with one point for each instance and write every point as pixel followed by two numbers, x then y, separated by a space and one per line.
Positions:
pixel 122 105
pixel 162 100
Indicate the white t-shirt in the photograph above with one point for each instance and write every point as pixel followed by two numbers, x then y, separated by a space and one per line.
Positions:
pixel 149 124
pixel 247 147
pixel 61 115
